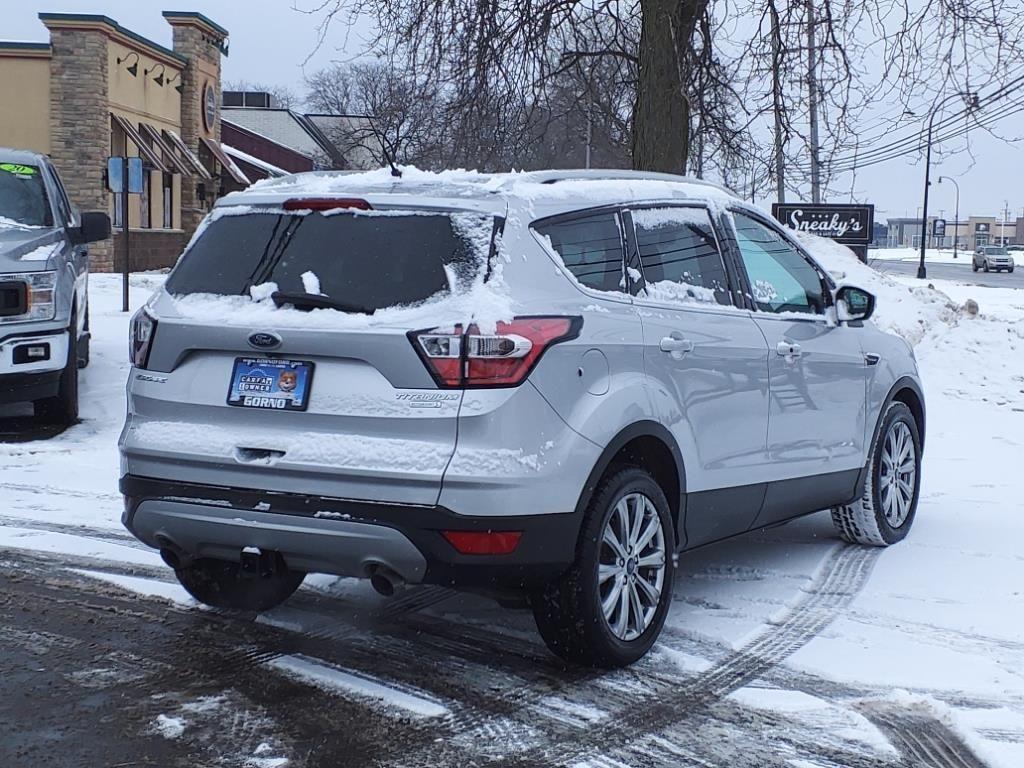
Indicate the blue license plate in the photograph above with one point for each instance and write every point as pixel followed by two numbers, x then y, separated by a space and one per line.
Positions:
pixel 274 385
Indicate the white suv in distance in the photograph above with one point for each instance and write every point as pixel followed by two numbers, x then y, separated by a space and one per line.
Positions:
pixel 546 385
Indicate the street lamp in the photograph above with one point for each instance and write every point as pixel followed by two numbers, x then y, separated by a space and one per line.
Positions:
pixel 972 103
pixel 956 216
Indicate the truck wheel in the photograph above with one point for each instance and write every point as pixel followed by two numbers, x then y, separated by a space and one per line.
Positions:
pixel 609 607
pixel 221 584
pixel 884 514
pixel 63 409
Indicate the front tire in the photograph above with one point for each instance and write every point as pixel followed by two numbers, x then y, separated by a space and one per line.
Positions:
pixel 63 409
pixel 221 584
pixel 886 511
pixel 610 606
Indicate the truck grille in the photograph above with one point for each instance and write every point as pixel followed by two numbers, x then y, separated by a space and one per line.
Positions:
pixel 13 298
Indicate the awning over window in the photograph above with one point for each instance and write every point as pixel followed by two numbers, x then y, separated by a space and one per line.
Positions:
pixel 145 151
pixel 187 154
pixel 218 152
pixel 149 132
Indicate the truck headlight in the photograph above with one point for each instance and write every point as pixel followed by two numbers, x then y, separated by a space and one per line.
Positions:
pixel 40 296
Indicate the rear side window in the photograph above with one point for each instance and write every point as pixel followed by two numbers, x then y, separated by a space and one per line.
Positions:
pixel 371 260
pixel 679 255
pixel 590 247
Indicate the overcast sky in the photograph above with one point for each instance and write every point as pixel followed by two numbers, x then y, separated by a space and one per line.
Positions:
pixel 270 41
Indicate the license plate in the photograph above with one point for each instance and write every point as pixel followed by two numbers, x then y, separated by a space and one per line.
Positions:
pixel 274 385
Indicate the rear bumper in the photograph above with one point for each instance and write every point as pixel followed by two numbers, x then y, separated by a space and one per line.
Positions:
pixel 345 537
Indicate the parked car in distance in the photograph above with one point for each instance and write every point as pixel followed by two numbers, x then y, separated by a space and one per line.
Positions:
pixel 44 300
pixel 992 258
pixel 545 385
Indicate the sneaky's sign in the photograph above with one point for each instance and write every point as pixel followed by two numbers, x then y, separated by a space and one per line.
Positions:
pixel 847 224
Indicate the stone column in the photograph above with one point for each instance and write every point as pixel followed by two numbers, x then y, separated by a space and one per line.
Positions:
pixel 80 123
pixel 200 45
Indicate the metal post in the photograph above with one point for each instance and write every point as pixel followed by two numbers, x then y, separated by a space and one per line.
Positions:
pixel 922 272
pixel 956 216
pixel 812 94
pixel 124 231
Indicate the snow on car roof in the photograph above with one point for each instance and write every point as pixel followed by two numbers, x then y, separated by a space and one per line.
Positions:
pixel 535 187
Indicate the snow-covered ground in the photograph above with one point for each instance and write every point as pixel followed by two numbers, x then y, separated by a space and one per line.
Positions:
pixel 845 644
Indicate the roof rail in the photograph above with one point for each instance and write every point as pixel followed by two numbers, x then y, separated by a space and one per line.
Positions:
pixel 613 174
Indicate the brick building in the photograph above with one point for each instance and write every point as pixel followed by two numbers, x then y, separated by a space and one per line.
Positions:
pixel 97 89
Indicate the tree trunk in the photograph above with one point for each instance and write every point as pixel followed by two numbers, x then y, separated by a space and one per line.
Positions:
pixel 661 116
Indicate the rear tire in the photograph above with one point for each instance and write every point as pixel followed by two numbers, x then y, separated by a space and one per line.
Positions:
pixel 886 511
pixel 63 409
pixel 974 267
pixel 637 586
pixel 220 584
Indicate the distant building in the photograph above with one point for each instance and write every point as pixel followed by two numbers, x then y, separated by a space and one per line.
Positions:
pixel 328 142
pixel 97 89
pixel 970 234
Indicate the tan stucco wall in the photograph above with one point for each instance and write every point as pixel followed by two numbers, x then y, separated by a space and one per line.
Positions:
pixel 25 94
pixel 139 98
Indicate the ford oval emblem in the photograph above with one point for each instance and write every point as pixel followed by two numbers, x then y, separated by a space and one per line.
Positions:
pixel 264 340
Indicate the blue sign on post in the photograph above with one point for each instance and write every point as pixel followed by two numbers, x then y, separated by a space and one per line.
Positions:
pixel 115 175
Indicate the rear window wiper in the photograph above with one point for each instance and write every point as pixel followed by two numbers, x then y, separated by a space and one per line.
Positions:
pixel 316 301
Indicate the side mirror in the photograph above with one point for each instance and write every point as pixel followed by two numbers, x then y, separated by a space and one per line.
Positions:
pixel 854 304
pixel 95 227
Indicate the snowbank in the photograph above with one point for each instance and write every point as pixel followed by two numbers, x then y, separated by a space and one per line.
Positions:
pixel 908 311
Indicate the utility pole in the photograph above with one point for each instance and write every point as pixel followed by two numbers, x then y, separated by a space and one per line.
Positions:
pixel 780 167
pixel 812 93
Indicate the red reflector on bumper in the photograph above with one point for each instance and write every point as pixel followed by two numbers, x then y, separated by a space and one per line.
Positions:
pixel 484 542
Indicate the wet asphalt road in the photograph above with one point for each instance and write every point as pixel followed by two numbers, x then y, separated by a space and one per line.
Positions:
pixel 959 272
pixel 91 671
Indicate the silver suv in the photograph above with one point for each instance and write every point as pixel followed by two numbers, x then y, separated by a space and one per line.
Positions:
pixel 992 257
pixel 542 385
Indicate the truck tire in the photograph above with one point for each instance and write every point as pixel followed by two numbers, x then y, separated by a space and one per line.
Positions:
pixel 63 409
pixel 886 511
pixel 610 606
pixel 221 584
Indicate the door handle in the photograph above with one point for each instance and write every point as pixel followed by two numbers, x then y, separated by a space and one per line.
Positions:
pixel 788 349
pixel 676 345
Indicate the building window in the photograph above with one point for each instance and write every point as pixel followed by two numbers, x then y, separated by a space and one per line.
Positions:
pixel 168 193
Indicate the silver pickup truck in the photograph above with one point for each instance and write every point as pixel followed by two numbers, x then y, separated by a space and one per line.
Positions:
pixel 44 267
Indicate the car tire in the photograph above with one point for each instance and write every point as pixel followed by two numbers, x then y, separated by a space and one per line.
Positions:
pixel 974 267
pixel 63 409
pixel 986 267
pixel 886 511
pixel 221 584
pixel 569 611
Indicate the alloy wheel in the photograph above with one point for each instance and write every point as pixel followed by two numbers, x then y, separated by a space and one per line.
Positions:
pixel 631 567
pixel 898 474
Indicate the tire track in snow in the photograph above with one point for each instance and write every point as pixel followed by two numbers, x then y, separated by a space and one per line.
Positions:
pixel 924 741
pixel 845 573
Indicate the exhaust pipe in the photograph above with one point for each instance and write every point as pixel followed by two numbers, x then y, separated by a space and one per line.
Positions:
pixel 385 581
pixel 172 554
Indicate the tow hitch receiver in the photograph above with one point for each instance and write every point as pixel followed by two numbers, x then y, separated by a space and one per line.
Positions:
pixel 256 563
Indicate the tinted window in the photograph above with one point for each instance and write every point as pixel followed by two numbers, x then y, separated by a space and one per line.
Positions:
pixel 23 195
pixel 591 248
pixel 782 280
pixel 679 255
pixel 368 260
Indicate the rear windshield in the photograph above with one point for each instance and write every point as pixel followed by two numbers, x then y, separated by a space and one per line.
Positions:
pixel 23 195
pixel 373 260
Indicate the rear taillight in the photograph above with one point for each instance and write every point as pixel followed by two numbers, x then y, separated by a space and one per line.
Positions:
pixel 471 359
pixel 143 330
pixel 326 204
